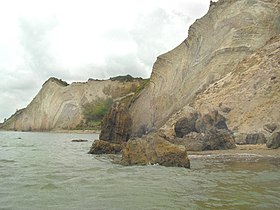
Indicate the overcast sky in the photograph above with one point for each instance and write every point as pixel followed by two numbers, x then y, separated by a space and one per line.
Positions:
pixel 79 39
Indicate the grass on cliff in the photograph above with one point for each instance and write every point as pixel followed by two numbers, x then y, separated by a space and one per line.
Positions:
pixel 93 114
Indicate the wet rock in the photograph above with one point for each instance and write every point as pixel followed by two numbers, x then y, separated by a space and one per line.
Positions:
pixel 79 140
pixel 255 138
pixel 274 141
pixel 116 125
pixel 104 147
pixel 209 120
pixel 186 124
pixel 270 127
pixel 153 149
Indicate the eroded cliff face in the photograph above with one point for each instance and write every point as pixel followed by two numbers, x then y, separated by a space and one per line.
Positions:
pixel 231 31
pixel 249 97
pixel 59 106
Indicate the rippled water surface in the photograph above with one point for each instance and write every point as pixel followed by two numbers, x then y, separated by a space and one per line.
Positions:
pixel 48 171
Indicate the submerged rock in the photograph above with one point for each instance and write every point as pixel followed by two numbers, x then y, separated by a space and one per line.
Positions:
pixel 153 149
pixel 79 140
pixel 104 147
pixel 274 141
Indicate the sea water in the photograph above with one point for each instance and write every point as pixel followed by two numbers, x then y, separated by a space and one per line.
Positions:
pixel 49 171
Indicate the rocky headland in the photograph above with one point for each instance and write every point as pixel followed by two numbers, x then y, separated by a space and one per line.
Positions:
pixel 61 106
pixel 218 89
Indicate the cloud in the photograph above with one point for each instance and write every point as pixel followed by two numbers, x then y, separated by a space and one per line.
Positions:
pixel 77 40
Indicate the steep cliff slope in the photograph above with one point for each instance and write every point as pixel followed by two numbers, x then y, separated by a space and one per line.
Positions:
pixel 60 106
pixel 250 95
pixel 231 31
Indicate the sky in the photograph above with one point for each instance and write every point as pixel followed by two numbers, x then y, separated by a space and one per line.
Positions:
pixel 75 40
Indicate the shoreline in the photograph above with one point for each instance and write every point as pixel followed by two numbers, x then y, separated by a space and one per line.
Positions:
pixel 59 131
pixel 241 152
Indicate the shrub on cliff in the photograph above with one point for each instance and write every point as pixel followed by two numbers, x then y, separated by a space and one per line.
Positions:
pixel 94 112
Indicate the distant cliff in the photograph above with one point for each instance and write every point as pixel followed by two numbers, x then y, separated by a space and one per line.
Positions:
pixel 221 46
pixel 62 106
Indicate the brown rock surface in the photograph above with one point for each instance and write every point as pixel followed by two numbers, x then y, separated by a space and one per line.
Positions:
pixel 104 147
pixel 116 125
pixel 154 150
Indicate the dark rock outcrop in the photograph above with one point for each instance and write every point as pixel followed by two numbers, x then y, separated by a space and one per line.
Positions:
pixel 153 149
pixel 104 147
pixel 213 139
pixel 116 125
pixel 209 120
pixel 255 138
pixel 186 124
pixel 274 141
pixel 209 132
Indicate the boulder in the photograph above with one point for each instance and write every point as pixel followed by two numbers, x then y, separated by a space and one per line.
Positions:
pixel 209 120
pixel 240 138
pixel 213 139
pixel 192 141
pixel 255 138
pixel 153 149
pixel 274 141
pixel 219 139
pixel 186 124
pixel 209 132
pixel 104 147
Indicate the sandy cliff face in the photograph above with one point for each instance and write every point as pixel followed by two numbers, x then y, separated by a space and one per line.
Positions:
pixel 249 96
pixel 231 31
pixel 59 106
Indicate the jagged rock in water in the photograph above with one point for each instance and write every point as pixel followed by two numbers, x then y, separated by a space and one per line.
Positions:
pixel 274 141
pixel 255 138
pixel 104 147
pixel 154 150
pixel 116 125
